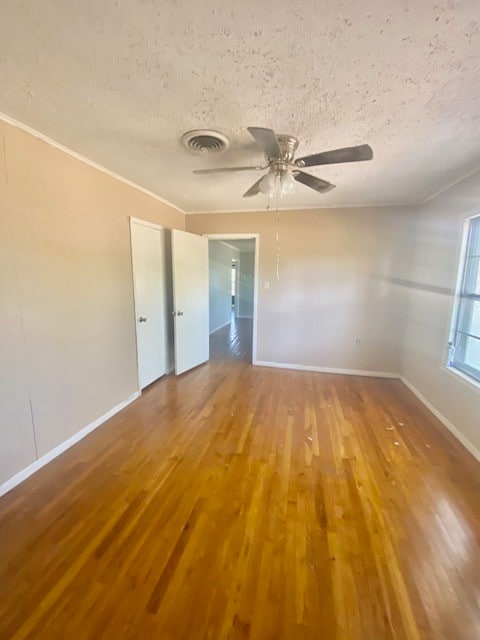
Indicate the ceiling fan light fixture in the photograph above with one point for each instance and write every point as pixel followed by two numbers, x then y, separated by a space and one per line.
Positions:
pixel 287 183
pixel 268 184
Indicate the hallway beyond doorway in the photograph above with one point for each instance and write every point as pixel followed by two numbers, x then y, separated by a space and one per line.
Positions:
pixel 233 341
pixel 233 264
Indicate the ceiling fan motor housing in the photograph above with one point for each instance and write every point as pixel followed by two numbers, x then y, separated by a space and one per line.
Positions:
pixel 288 146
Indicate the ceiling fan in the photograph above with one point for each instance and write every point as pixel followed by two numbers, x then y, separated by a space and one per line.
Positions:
pixel 284 170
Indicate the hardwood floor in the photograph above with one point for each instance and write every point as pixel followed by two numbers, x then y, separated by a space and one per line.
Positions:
pixel 243 502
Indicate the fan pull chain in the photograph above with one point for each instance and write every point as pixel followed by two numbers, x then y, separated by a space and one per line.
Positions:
pixel 277 213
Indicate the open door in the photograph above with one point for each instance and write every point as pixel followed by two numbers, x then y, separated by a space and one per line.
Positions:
pixel 190 299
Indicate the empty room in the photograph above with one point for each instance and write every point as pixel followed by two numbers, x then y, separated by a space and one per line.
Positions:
pixel 240 320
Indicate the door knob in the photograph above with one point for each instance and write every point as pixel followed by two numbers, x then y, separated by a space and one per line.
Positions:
pixel 179 313
pixel 142 319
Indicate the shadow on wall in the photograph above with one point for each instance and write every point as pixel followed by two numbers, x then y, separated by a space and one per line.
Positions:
pixel 421 286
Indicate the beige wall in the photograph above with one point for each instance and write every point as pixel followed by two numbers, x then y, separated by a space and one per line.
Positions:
pixel 430 288
pixel 68 326
pixel 338 283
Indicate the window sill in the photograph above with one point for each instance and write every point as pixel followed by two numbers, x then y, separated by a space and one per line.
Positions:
pixel 462 377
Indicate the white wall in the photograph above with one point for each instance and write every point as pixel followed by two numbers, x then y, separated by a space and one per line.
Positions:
pixel 437 236
pixel 246 284
pixel 220 272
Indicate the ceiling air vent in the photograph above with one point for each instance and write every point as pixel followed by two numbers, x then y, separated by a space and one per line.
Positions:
pixel 205 141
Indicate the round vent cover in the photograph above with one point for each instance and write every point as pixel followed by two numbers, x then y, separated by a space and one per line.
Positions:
pixel 205 141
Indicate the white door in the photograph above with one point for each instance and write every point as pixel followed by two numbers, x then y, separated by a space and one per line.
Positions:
pixel 148 255
pixel 190 299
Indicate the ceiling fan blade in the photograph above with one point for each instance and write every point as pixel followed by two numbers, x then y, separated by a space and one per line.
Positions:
pixel 267 139
pixel 347 154
pixel 228 170
pixel 254 189
pixel 322 186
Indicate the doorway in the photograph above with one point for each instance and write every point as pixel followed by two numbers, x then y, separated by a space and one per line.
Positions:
pixel 233 269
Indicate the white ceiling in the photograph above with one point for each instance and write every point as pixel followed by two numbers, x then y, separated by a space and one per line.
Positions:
pixel 120 82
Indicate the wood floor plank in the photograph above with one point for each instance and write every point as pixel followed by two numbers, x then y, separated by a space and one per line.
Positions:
pixel 244 502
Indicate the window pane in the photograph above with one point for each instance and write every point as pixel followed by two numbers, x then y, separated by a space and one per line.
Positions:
pixel 474 241
pixel 477 282
pixel 471 282
pixel 475 319
pixel 233 278
pixel 469 317
pixel 472 352
pixel 465 315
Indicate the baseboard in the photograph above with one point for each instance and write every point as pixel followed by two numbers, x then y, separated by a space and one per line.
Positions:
pixel 220 327
pixel 346 372
pixel 445 421
pixel 48 457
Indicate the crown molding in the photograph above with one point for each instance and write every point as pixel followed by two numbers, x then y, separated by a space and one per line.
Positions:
pixel 306 208
pixel 58 145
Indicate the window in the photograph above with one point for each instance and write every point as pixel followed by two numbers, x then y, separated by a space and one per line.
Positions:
pixel 465 339
pixel 233 279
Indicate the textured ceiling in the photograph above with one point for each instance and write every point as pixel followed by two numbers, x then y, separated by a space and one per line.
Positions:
pixel 120 82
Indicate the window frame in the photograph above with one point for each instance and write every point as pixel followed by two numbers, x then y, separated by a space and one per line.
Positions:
pixel 466 278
